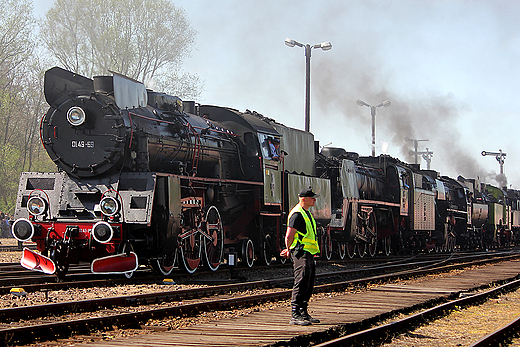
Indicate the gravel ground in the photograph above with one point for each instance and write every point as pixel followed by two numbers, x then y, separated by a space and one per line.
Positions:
pixel 466 326
pixel 10 257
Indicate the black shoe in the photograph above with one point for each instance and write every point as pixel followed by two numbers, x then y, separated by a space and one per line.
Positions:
pixel 299 320
pixel 306 316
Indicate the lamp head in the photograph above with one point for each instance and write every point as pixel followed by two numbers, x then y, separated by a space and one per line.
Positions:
pixel 326 46
pixel 290 42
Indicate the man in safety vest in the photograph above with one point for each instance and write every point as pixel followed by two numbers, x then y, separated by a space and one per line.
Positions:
pixel 302 245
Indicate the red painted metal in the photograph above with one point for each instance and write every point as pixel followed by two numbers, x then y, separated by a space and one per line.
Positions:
pixel 115 264
pixel 35 261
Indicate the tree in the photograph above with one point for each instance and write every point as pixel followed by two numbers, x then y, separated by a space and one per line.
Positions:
pixel 16 23
pixel 144 39
pixel 21 100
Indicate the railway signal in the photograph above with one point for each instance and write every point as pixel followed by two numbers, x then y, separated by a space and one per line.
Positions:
pixel 500 156
pixel 415 152
pixel 427 155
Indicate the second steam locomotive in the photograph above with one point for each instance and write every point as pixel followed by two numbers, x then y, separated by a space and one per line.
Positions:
pixel 146 179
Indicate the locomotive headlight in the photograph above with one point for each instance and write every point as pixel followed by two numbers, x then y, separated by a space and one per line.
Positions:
pixel 102 232
pixel 109 206
pixel 36 206
pixel 76 116
pixel 23 230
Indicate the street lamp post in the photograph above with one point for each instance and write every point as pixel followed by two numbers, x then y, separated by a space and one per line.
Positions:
pixel 324 46
pixel 385 103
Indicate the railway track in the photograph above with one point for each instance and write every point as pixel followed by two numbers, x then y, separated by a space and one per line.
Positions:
pixel 12 274
pixel 384 333
pixel 500 337
pixel 15 248
pixel 24 325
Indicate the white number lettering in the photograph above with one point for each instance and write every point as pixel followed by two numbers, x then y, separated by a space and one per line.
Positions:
pixel 82 144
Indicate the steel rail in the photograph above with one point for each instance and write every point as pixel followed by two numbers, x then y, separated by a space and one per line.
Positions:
pixel 12 274
pixel 10 314
pixel 47 331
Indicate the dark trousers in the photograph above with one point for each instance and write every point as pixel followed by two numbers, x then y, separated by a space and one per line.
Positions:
pixel 304 273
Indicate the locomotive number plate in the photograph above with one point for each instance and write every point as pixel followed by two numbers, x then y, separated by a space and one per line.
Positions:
pixel 82 144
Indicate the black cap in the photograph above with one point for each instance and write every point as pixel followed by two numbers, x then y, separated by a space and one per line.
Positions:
pixel 307 193
pixel 275 140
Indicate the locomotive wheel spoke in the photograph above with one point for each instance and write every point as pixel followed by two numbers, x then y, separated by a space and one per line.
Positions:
pixel 191 251
pixel 267 250
pixel 387 245
pixel 214 245
pixel 372 248
pixel 190 257
pixel 327 245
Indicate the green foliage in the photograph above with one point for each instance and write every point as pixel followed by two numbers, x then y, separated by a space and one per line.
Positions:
pixel 21 99
pixel 142 39
pixel 16 40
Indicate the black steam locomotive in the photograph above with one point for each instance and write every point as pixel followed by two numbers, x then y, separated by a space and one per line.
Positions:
pixel 144 178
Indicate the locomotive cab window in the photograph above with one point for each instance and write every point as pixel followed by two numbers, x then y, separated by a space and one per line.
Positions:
pixel 267 144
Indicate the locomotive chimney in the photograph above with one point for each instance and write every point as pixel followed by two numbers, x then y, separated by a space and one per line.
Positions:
pixel 189 107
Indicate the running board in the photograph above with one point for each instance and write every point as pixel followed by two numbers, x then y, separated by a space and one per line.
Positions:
pixel 115 264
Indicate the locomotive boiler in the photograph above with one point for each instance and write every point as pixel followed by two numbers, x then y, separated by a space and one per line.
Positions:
pixel 364 211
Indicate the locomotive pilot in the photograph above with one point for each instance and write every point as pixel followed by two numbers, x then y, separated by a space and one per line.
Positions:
pixel 301 245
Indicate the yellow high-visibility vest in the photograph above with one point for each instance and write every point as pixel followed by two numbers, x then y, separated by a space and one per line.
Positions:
pixel 309 241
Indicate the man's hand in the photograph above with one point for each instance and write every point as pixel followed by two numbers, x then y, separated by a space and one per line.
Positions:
pixel 285 254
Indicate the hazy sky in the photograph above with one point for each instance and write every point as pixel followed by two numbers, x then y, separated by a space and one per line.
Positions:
pixel 449 68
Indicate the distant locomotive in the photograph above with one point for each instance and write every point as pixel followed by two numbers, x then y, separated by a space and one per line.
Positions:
pixel 146 179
